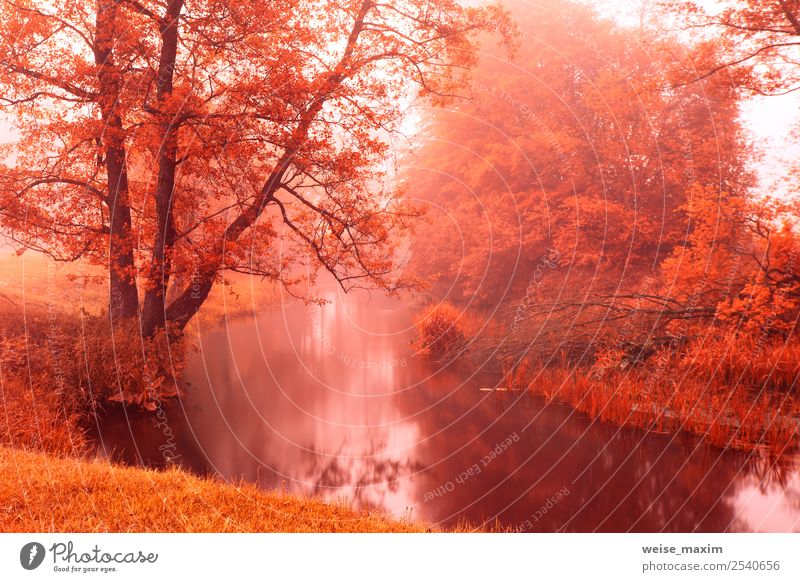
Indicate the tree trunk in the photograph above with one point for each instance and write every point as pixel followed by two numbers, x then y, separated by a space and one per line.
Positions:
pixel 123 296
pixel 154 309
pixel 188 303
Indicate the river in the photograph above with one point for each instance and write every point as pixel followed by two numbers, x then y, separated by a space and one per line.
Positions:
pixel 332 401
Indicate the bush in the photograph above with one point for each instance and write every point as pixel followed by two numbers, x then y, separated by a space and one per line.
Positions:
pixel 121 366
pixel 441 331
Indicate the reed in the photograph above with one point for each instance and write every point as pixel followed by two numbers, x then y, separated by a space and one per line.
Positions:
pixel 728 390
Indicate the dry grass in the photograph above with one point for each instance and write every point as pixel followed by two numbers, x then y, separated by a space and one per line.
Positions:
pixel 32 282
pixel 38 419
pixel 47 494
pixel 42 401
pixel 57 370
pixel 727 390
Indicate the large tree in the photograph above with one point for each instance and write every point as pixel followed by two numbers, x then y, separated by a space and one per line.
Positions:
pixel 585 148
pixel 175 141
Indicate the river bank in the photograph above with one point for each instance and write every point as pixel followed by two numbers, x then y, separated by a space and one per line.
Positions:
pixel 730 389
pixel 45 493
pixel 52 483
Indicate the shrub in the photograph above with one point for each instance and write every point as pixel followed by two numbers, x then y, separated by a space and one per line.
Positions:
pixel 121 366
pixel 441 331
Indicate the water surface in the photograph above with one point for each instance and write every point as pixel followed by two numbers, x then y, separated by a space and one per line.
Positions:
pixel 332 401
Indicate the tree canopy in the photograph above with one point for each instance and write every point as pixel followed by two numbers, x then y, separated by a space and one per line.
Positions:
pixel 585 147
pixel 175 141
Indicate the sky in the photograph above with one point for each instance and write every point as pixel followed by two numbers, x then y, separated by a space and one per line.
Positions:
pixel 6 131
pixel 771 121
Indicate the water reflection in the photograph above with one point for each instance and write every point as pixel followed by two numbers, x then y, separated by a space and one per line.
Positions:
pixel 331 401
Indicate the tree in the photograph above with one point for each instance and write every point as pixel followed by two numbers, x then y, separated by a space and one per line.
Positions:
pixel 178 141
pixel 582 148
pixel 753 44
pixel 759 40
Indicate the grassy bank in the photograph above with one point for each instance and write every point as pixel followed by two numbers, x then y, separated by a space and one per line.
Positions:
pixel 732 389
pixel 721 415
pixel 45 494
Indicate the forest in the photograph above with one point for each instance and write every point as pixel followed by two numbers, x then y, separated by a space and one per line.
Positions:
pixel 296 242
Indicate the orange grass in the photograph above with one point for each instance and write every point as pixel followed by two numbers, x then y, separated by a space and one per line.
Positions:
pixel 39 419
pixel 723 392
pixel 40 493
pixel 32 282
